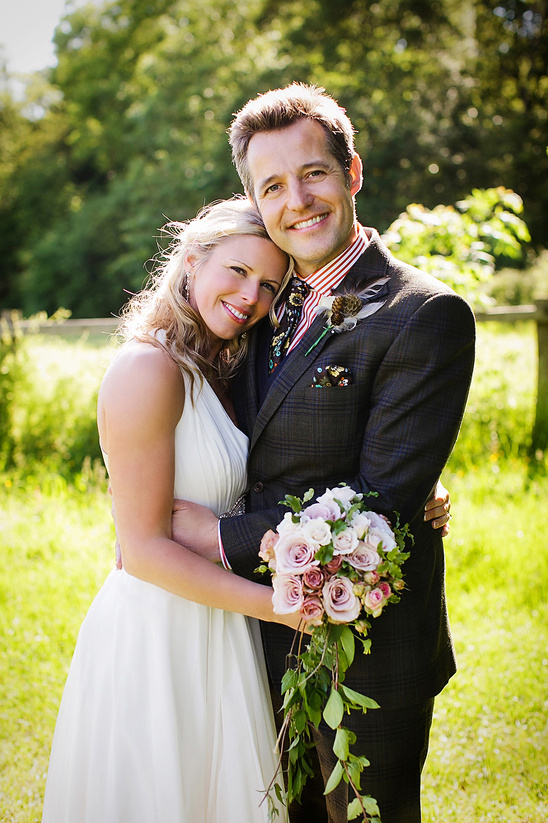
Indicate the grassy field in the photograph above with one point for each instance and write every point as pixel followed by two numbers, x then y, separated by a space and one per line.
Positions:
pixel 488 758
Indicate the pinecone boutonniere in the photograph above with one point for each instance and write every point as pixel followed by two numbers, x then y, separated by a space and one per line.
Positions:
pixel 344 310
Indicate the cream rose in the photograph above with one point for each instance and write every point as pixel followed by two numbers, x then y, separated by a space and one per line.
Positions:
pixel 376 537
pixel 345 541
pixel 361 523
pixel 343 493
pixel 287 526
pixel 317 530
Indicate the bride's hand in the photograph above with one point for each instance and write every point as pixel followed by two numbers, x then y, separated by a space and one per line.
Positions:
pixel 294 621
pixel 438 508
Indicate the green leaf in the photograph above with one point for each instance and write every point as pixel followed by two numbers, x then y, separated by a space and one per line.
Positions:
pixel 354 809
pixel 341 745
pixel 289 680
pixel 371 805
pixel 334 710
pixel 359 699
pixel 299 719
pixel 334 778
pixel 348 643
pixel 292 502
pixel 308 496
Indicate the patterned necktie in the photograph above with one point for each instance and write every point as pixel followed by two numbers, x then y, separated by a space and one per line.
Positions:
pixel 281 338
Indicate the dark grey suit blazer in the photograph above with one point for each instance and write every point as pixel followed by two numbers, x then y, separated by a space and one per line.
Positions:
pixel 391 432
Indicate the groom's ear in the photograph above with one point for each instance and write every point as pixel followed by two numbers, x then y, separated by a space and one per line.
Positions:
pixel 356 174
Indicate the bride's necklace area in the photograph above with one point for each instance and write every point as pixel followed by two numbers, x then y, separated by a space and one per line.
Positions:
pixel 220 387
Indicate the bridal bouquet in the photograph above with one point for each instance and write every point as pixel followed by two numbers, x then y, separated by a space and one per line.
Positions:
pixel 337 564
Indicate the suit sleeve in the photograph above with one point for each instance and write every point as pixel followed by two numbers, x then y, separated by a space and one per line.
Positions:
pixel 418 401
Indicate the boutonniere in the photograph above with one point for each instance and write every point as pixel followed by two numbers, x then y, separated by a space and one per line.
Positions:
pixel 343 311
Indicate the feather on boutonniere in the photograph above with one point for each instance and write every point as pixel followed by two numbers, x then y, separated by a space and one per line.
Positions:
pixel 343 311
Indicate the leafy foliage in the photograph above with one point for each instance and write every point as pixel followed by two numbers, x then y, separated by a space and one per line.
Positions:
pixel 129 128
pixel 461 245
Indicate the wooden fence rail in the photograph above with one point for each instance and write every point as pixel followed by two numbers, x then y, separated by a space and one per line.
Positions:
pixel 539 313
pixel 503 314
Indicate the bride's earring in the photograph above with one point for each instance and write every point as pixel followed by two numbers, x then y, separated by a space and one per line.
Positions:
pixel 186 287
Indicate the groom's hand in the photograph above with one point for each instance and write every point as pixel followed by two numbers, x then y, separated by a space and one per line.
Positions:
pixel 195 527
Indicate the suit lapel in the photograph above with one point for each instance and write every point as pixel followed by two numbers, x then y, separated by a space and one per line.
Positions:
pixel 372 265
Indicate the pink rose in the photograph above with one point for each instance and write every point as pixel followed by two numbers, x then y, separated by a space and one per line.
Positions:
pixel 326 511
pixel 334 564
pixel 364 558
pixel 312 610
pixel 345 542
pixel 287 594
pixel 379 521
pixel 269 540
pixel 295 553
pixel 385 589
pixel 313 579
pixel 340 602
pixel 374 601
pixel 371 578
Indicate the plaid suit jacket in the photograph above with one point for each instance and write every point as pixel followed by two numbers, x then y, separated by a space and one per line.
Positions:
pixel 391 431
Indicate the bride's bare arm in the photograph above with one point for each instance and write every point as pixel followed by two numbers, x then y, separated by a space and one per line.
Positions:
pixel 140 403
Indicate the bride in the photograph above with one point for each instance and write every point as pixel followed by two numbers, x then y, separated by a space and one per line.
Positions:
pixel 166 714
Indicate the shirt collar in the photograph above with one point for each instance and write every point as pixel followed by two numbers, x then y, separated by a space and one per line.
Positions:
pixel 328 277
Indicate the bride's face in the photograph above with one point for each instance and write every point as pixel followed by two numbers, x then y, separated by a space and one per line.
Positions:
pixel 233 287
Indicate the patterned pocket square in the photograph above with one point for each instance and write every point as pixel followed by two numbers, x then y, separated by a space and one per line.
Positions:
pixel 326 377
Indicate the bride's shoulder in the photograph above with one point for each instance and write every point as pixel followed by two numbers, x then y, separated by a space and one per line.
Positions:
pixel 141 360
pixel 142 374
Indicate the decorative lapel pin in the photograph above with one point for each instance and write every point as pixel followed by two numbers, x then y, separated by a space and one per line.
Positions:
pixel 345 310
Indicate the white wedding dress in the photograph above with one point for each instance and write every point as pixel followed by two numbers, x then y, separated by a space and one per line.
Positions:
pixel 166 715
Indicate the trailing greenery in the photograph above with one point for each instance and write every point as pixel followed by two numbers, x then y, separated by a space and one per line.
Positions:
pixel 129 129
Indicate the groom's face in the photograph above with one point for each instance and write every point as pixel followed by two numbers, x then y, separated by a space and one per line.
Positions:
pixel 303 194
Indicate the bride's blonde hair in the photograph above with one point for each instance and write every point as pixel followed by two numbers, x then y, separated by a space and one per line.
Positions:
pixel 163 306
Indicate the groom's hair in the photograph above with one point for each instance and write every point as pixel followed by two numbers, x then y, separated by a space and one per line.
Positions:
pixel 280 108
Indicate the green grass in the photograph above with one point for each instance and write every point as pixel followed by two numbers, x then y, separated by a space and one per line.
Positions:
pixel 57 547
pixel 488 757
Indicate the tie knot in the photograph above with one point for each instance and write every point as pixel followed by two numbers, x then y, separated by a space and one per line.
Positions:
pixel 298 291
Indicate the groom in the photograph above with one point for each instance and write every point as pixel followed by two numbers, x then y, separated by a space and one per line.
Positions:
pixel 389 427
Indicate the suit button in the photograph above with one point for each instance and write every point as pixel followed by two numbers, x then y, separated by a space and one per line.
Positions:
pixel 258 487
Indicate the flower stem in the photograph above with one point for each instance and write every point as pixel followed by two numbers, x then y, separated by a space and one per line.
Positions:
pixel 322 335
